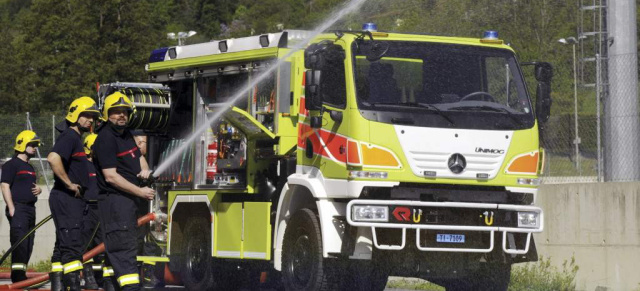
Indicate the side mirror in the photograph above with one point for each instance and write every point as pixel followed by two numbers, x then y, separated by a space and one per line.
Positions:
pixel 544 72
pixel 543 102
pixel 312 92
pixel 544 75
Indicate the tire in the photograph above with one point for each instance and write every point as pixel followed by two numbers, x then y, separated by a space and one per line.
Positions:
pixel 303 267
pixel 197 269
pixel 367 275
pixel 490 277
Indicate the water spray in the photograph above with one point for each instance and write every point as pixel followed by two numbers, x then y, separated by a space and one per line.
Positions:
pixel 350 7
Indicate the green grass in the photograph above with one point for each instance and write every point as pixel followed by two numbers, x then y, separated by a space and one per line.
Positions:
pixel 413 284
pixel 539 276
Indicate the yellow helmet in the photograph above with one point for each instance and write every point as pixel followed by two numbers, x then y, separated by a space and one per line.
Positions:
pixel 88 143
pixel 114 100
pixel 81 105
pixel 25 137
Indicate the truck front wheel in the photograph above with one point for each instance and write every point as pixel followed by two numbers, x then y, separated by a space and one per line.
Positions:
pixel 303 267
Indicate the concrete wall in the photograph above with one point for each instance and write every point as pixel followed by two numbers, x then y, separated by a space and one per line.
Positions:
pixel 45 235
pixel 598 224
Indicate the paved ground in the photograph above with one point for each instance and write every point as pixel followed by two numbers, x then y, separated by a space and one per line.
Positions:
pixel 48 287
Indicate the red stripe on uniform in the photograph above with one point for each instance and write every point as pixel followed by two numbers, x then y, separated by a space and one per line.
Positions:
pixel 26 173
pixel 92 174
pixel 127 152
pixel 79 154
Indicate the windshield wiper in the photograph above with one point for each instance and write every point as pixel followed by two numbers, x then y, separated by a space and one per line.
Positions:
pixel 417 104
pixel 491 108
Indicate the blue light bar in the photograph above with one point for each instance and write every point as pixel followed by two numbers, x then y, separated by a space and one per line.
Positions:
pixel 490 34
pixel 370 26
pixel 157 55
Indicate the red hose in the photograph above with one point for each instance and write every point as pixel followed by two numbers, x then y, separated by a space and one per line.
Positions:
pixel 88 255
pixel 7 275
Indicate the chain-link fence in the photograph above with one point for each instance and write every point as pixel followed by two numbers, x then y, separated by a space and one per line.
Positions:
pixel 604 146
pixel 43 126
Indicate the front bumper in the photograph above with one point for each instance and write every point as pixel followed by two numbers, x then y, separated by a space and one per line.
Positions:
pixel 503 223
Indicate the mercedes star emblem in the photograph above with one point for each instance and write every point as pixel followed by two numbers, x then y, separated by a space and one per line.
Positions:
pixel 457 163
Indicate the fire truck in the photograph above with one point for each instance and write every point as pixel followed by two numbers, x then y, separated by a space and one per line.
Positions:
pixel 363 155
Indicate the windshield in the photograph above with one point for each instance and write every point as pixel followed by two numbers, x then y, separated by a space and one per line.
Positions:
pixel 441 85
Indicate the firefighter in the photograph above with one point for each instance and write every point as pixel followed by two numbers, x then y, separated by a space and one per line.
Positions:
pixel 69 164
pixel 146 249
pixel 90 235
pixel 20 193
pixel 119 166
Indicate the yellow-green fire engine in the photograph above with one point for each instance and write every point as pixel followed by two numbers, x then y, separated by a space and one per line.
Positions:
pixel 364 155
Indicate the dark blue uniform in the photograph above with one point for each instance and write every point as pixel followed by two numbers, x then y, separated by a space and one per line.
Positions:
pixel 91 235
pixel 20 176
pixel 118 209
pixel 67 210
pixel 91 217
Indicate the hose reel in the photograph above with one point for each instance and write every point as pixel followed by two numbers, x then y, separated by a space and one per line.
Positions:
pixel 152 108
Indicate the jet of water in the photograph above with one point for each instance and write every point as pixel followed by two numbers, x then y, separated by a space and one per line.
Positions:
pixel 350 7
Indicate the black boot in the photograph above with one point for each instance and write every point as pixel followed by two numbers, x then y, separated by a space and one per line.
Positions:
pixel 89 278
pixel 149 279
pixel 71 281
pixel 107 284
pixel 18 275
pixel 56 281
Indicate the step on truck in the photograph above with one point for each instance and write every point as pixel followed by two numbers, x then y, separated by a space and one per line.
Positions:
pixel 362 156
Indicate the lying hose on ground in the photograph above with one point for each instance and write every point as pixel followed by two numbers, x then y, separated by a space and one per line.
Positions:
pixel 88 255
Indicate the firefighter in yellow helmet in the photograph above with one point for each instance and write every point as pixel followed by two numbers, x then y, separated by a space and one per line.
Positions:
pixel 19 189
pixel 119 166
pixel 90 233
pixel 70 168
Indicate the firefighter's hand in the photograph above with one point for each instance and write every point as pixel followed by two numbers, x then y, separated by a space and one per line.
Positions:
pixel 12 210
pixel 146 193
pixel 144 174
pixel 76 189
pixel 36 189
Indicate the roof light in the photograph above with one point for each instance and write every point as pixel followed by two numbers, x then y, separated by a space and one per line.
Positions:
pixel 173 53
pixel 264 40
pixel 491 36
pixel 223 46
pixel 370 26
pixel 158 55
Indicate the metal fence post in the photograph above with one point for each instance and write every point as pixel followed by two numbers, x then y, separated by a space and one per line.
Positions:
pixel 46 180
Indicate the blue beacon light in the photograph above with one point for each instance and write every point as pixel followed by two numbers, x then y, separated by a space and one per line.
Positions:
pixel 490 34
pixel 370 26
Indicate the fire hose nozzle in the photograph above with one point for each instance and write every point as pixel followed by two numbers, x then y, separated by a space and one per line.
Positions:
pixel 148 182
pixel 161 217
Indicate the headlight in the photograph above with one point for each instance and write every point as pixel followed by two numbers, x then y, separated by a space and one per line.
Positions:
pixel 528 219
pixel 370 213
pixel 529 181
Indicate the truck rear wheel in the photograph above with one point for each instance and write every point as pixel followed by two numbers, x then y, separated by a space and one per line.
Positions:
pixel 303 267
pixel 197 269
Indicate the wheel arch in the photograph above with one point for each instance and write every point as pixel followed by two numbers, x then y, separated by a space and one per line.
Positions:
pixel 295 197
pixel 184 208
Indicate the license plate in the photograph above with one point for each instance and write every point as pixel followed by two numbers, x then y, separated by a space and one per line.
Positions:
pixel 450 238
